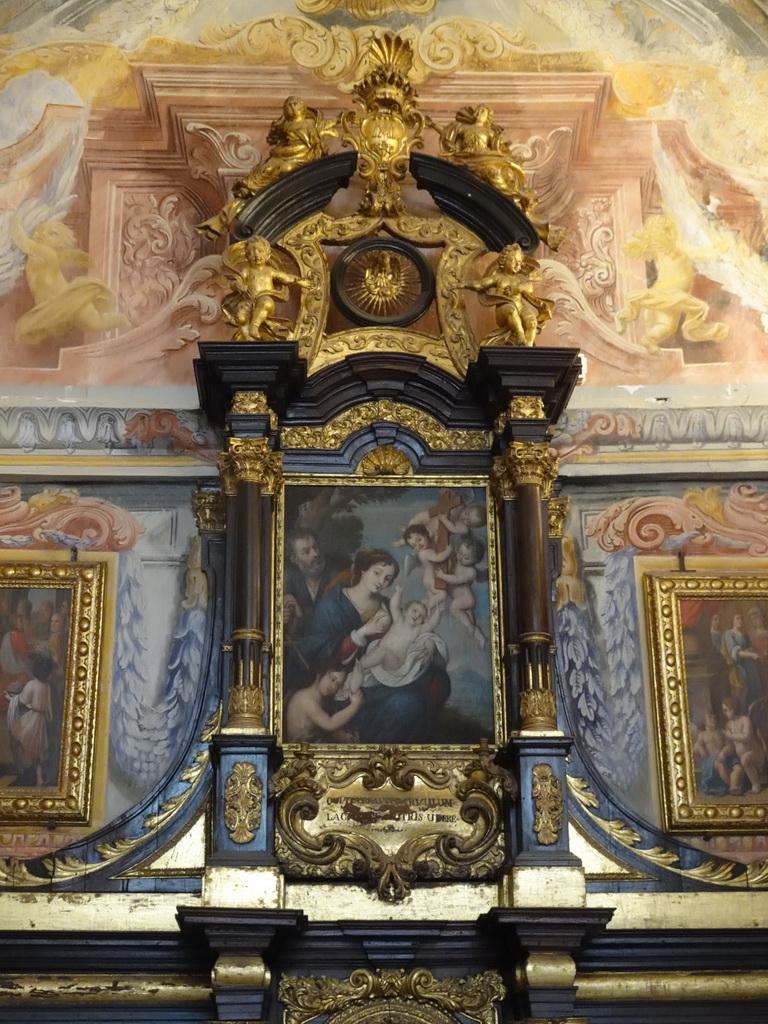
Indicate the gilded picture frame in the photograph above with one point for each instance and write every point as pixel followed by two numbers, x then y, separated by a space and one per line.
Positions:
pixel 341 520
pixel 708 645
pixel 51 631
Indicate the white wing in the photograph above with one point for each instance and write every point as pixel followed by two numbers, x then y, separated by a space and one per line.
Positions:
pixel 732 263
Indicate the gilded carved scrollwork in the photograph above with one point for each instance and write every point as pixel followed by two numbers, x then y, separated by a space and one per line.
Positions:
pixel 388 127
pixel 209 510
pixel 242 802
pixel 315 798
pixel 366 10
pixel 253 403
pixel 548 803
pixel 557 513
pixel 250 460
pixel 335 433
pixel 377 995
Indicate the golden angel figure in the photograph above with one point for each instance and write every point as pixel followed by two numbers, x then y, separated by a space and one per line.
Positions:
pixel 507 285
pixel 256 283
pixel 296 138
pixel 60 304
pixel 668 302
pixel 474 141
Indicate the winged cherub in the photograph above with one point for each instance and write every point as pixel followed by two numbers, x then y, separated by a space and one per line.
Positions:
pixel 520 314
pixel 256 283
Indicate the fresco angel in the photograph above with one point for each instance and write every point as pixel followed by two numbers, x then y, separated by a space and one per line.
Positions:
pixel 61 305
pixel 507 285
pixel 256 283
pixel 668 302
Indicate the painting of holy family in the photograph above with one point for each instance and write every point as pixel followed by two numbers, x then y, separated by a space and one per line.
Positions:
pixel 387 629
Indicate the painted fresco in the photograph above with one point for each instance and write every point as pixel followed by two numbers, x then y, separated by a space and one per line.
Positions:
pixel 603 646
pixel 386 615
pixel 155 614
pixel 125 125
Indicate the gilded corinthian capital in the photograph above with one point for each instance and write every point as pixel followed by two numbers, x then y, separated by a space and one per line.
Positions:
pixel 525 462
pixel 249 459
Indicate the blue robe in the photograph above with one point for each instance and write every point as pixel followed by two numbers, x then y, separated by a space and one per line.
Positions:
pixel 407 714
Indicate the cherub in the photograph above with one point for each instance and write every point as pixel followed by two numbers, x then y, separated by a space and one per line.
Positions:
pixel 462 520
pixel 451 511
pixel 668 303
pixel 419 541
pixel 474 140
pixel 256 283
pixel 460 582
pixel 306 719
pixel 296 138
pixel 507 286
pixel 60 305
pixel 745 742
pixel 408 623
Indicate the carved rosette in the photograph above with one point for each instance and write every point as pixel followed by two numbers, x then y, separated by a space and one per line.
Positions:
pixel 537 709
pixel 210 511
pixel 524 462
pixel 253 403
pixel 473 790
pixel 548 802
pixel 557 513
pixel 392 990
pixel 386 460
pixel 249 460
pixel 242 802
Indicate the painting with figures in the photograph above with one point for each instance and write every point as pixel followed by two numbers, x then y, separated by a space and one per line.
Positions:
pixel 709 661
pixel 386 598
pixel 34 629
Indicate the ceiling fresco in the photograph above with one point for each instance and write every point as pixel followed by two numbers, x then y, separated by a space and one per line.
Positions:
pixel 124 124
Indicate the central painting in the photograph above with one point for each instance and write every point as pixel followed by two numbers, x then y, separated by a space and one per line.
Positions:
pixel 387 593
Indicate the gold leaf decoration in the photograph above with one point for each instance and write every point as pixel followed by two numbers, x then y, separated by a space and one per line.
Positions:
pixel 548 802
pixel 242 802
pixel 366 10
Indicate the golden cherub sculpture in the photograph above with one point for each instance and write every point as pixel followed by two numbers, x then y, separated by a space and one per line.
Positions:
pixel 507 286
pixel 296 138
pixel 473 140
pixel 256 283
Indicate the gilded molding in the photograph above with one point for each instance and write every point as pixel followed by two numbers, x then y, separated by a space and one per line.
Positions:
pixel 210 511
pixel 238 971
pixel 617 986
pixel 15 873
pixel 386 460
pixel 474 788
pixel 366 10
pixel 334 434
pixel 713 872
pixel 537 709
pixel 36 989
pixel 473 995
pixel 249 460
pixel 242 802
pixel 557 513
pixel 548 802
pixel 253 403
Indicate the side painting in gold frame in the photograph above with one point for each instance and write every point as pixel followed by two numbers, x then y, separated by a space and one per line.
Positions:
pixel 708 636
pixel 50 652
